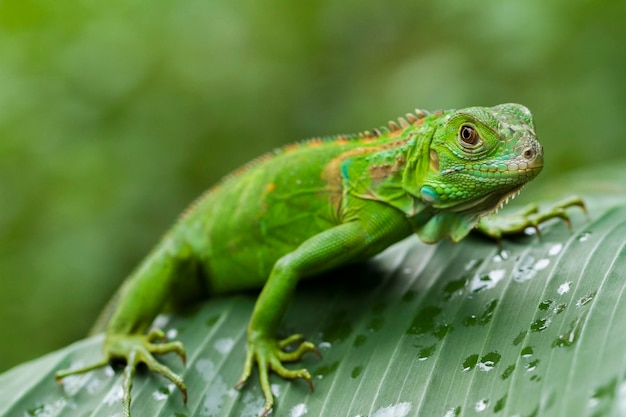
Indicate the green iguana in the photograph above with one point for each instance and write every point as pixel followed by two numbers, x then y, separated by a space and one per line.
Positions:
pixel 317 205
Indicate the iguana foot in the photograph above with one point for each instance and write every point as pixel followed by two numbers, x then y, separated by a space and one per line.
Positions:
pixel 530 216
pixel 270 354
pixel 135 349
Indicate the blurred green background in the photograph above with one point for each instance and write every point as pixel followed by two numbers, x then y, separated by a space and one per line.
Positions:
pixel 115 115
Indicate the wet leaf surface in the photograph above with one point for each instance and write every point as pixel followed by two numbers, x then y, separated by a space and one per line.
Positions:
pixel 444 330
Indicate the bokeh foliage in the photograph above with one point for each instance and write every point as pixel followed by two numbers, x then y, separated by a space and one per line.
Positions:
pixel 115 115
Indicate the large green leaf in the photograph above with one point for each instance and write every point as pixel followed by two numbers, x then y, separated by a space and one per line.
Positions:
pixel 538 329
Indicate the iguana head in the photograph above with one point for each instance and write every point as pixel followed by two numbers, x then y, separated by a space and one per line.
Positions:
pixel 477 159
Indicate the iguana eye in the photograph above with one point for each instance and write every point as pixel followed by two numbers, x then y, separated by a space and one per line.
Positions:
pixel 469 137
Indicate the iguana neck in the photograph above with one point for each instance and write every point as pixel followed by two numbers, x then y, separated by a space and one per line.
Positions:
pixel 378 172
pixel 393 171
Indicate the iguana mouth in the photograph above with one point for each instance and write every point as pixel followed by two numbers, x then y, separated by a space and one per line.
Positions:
pixel 505 199
pixel 484 205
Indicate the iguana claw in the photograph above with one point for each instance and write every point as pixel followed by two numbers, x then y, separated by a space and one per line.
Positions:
pixel 136 349
pixel 529 216
pixel 269 354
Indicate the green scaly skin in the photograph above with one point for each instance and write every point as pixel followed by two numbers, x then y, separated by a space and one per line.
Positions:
pixel 312 207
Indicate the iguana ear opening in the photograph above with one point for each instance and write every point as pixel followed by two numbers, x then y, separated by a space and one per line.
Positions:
pixel 434 160
pixel 420 160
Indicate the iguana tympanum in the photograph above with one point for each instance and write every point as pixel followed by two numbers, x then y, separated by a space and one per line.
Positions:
pixel 310 207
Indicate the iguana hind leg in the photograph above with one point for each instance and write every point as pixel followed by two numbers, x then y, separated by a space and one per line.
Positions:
pixel 141 298
pixel 135 349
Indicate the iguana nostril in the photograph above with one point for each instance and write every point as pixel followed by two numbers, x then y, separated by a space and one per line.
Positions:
pixel 534 157
pixel 529 153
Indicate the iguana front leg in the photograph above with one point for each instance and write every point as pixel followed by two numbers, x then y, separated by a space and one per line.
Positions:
pixel 530 216
pixel 377 227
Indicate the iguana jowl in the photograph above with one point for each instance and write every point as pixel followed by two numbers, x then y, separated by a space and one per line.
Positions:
pixel 317 205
